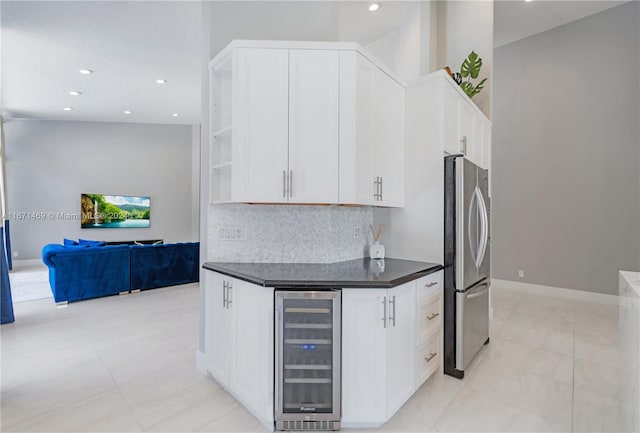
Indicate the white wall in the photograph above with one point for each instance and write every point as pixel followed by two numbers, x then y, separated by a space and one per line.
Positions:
pixel 408 49
pixel 566 154
pixel 51 163
pixel 465 26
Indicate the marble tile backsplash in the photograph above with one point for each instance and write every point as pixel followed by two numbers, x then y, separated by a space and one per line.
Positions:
pixel 289 234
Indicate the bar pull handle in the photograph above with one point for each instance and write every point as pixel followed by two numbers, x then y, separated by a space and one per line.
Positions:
pixel 380 198
pixel 224 294
pixel 463 145
pixel 384 312
pixel 284 183
pixel 430 356
pixel 392 300
pixel 290 183
pixel 229 287
pixel 433 316
pixel 375 188
pixel 431 284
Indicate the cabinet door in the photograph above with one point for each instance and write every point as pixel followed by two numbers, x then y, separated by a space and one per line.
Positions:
pixel 217 328
pixel 451 139
pixel 313 126
pixel 365 83
pixel 364 355
pixel 260 124
pixel 401 345
pixel 466 137
pixel 251 377
pixel 388 139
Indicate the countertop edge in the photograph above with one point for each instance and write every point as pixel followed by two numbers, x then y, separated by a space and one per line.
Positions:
pixel 325 284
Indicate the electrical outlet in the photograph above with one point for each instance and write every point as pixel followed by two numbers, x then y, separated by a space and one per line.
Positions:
pixel 230 233
pixel 15 254
pixel 520 273
pixel 356 232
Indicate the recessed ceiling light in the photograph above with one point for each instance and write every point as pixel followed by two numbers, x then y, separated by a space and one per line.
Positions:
pixel 161 81
pixel 374 7
pixel 68 108
pixel 175 114
pixel 85 71
pixel 75 93
pixel 527 1
pixel 127 111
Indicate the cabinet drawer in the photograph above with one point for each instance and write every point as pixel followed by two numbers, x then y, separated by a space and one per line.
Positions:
pixel 429 285
pixel 429 317
pixel 428 359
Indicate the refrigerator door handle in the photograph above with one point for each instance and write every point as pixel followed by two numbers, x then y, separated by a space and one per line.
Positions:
pixel 471 234
pixel 484 218
pixel 478 293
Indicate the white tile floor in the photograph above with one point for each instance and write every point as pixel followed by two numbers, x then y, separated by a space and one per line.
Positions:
pixel 127 364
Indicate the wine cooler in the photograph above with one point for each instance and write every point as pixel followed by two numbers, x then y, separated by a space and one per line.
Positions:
pixel 307 364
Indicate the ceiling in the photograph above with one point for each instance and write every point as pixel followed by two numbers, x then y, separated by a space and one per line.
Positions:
pixel 128 45
pixel 131 44
pixel 517 19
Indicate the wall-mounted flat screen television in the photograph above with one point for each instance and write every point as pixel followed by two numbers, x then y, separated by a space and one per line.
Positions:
pixel 114 211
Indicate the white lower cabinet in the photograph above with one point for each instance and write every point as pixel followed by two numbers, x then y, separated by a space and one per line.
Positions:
pixel 239 341
pixel 429 312
pixel 378 345
pixel 218 327
pixel 391 344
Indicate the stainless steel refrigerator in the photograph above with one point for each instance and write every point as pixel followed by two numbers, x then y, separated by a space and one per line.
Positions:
pixel 466 263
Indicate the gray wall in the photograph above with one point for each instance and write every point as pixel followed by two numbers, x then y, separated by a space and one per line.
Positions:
pixel 50 163
pixel 566 153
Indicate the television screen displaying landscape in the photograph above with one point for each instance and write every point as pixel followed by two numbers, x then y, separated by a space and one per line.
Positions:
pixel 114 211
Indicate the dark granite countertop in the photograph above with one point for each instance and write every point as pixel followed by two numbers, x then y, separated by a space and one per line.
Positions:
pixel 359 273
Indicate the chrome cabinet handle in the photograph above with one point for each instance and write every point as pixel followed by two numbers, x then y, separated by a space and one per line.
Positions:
pixel 229 287
pixel 377 191
pixel 224 294
pixel 431 284
pixel 284 183
pixel 433 316
pixel 384 312
pixel 290 183
pixel 430 356
pixel 375 188
pixel 392 300
pixel 463 145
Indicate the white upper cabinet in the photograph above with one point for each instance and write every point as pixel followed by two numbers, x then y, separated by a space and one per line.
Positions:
pixel 260 125
pixel 313 126
pixel 305 123
pixel 284 139
pixel 466 130
pixel 371 134
pixel 286 126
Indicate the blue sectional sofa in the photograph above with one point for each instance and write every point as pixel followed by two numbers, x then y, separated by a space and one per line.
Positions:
pixel 93 270
pixel 164 265
pixel 89 272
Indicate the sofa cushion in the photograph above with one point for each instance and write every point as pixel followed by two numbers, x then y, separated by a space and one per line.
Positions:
pixel 91 243
pixel 67 242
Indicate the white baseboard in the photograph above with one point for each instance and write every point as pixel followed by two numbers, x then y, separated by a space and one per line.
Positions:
pixel 201 362
pixel 27 263
pixel 559 292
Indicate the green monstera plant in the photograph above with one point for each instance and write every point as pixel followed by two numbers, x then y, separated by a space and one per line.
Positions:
pixel 470 69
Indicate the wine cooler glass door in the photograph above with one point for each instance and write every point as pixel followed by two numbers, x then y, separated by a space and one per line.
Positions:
pixel 309 354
